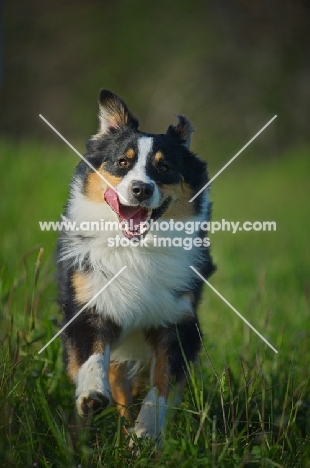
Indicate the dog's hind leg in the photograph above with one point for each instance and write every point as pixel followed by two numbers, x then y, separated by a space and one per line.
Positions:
pixel 121 389
pixel 175 347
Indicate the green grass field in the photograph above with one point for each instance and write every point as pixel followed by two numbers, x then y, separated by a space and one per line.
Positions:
pixel 244 405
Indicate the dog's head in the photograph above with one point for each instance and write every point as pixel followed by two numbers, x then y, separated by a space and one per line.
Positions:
pixel 144 176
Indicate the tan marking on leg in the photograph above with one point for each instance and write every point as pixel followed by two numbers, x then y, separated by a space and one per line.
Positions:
pixel 98 347
pixel 141 381
pixel 81 287
pixel 167 387
pixel 121 389
pixel 135 387
pixel 161 373
pixel 73 364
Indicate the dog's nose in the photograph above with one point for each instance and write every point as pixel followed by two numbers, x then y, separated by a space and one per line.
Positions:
pixel 141 190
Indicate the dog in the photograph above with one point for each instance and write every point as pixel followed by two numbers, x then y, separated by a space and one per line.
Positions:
pixel 129 302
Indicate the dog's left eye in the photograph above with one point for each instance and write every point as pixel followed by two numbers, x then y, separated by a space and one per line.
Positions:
pixel 123 162
pixel 163 168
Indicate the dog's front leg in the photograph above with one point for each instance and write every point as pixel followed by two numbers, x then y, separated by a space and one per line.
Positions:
pixel 93 392
pixel 174 348
pixel 87 343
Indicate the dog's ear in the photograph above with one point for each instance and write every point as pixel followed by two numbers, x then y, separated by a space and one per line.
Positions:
pixel 183 131
pixel 113 113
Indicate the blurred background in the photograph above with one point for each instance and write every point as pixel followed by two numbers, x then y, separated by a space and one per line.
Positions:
pixel 229 66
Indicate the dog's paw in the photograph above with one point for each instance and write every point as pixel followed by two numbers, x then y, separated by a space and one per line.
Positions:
pixel 142 441
pixel 150 421
pixel 93 392
pixel 92 402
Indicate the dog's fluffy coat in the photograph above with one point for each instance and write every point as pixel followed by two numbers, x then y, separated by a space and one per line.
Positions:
pixel 147 315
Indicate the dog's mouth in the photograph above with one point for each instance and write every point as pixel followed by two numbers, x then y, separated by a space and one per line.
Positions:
pixel 135 221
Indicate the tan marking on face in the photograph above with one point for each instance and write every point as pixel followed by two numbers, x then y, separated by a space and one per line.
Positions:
pixel 96 186
pixel 121 389
pixel 159 157
pixel 113 180
pixel 130 153
pixel 81 286
pixel 179 208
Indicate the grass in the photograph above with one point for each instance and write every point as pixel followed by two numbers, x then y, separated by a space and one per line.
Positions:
pixel 244 405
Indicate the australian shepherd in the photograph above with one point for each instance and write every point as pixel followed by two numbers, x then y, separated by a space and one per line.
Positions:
pixel 133 299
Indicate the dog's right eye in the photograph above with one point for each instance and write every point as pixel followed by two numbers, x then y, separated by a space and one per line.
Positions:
pixel 123 162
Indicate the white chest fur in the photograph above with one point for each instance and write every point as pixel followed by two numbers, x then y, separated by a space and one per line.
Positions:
pixel 145 293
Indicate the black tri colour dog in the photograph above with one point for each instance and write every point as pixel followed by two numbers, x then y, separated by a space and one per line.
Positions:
pixel 146 316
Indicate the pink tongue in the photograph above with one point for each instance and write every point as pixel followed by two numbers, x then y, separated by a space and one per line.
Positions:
pixel 138 215
pixel 112 199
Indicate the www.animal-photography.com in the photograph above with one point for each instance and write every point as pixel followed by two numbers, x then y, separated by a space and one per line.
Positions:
pixel 154 285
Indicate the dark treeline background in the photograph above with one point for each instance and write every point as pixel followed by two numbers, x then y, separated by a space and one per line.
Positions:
pixel 228 65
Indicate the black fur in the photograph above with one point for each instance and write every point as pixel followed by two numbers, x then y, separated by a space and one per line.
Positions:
pixel 94 329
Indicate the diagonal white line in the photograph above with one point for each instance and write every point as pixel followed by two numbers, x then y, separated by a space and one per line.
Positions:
pixel 83 308
pixel 82 157
pixel 233 158
pixel 235 310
